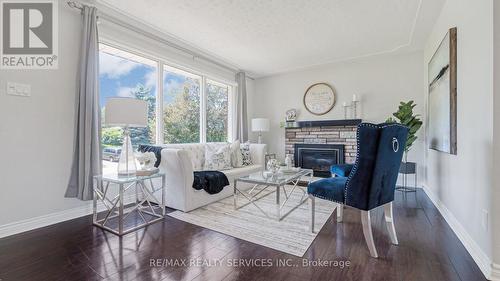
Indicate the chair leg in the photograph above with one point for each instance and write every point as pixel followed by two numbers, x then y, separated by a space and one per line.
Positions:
pixel 389 221
pixel 340 212
pixel 312 204
pixel 367 231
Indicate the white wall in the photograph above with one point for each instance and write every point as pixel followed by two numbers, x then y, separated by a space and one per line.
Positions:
pixel 36 133
pixel 381 82
pixel 461 184
pixel 495 233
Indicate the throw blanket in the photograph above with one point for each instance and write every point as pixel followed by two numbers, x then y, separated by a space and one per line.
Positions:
pixel 211 181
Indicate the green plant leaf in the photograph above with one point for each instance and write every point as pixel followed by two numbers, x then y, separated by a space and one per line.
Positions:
pixel 405 116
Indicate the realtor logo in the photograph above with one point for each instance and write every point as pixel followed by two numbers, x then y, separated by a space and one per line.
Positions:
pixel 29 35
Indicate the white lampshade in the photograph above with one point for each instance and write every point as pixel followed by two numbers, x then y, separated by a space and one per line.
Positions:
pixel 126 112
pixel 260 125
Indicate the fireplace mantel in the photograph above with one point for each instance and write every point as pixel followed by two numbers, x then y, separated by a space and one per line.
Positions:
pixel 323 123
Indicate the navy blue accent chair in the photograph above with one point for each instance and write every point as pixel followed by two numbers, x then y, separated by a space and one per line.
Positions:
pixel 370 182
pixel 342 170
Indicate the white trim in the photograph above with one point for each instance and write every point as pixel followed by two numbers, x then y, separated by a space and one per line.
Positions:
pixel 203 110
pixel 160 138
pixel 165 60
pixel 495 272
pixel 481 258
pixel 231 118
pixel 53 218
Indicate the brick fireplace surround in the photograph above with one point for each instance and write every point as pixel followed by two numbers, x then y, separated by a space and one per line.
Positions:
pixel 324 132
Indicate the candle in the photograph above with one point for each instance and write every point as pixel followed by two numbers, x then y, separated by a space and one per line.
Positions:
pixel 354 98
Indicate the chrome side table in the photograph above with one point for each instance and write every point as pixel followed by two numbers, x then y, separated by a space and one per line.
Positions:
pixel 146 205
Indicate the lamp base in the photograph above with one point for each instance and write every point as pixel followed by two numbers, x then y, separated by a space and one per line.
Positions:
pixel 127 164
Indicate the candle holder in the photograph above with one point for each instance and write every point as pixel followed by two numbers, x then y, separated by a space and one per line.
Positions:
pixel 354 108
pixel 345 109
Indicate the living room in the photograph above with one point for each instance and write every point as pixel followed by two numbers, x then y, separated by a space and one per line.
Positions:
pixel 250 140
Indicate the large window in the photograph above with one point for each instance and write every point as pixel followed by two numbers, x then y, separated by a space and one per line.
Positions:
pixel 217 111
pixel 181 106
pixel 122 74
pixel 188 108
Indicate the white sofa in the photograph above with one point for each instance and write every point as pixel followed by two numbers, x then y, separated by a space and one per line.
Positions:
pixel 179 161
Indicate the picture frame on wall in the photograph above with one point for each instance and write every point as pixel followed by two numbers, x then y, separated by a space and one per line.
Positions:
pixel 319 98
pixel 442 96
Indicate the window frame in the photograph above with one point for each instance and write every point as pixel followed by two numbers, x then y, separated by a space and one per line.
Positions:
pixel 162 64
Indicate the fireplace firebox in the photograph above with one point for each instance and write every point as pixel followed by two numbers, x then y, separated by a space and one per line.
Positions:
pixel 318 157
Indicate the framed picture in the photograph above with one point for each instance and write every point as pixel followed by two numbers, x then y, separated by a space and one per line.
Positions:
pixel 442 99
pixel 319 98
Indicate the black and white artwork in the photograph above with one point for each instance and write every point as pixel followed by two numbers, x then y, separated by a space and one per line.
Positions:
pixel 442 100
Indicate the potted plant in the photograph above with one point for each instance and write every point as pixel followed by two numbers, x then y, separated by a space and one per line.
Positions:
pixel 405 116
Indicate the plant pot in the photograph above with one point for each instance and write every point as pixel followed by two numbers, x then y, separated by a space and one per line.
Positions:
pixel 408 168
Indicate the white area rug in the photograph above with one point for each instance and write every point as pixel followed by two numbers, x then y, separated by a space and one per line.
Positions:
pixel 290 235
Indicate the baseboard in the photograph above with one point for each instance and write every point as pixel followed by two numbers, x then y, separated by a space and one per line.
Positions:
pixel 495 272
pixel 482 260
pixel 53 218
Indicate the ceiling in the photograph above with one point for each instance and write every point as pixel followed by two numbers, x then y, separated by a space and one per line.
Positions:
pixel 266 37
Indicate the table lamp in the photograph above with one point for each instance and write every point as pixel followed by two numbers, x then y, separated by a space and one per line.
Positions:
pixel 260 125
pixel 126 113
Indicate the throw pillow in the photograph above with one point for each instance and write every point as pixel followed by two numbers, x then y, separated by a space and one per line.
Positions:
pixel 217 157
pixel 245 153
pixel 236 157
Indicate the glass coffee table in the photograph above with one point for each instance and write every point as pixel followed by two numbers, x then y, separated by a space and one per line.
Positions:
pixel 261 183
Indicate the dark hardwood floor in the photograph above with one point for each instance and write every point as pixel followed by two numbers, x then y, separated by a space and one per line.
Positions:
pixel 75 250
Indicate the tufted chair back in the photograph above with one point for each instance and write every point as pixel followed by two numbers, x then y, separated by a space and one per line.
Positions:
pixel 372 180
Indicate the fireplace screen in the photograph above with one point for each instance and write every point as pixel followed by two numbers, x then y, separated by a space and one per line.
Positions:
pixel 318 157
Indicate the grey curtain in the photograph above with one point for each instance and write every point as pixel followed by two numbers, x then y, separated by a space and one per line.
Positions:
pixel 87 149
pixel 241 108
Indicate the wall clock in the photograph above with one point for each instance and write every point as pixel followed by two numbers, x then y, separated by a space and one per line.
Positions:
pixel 319 98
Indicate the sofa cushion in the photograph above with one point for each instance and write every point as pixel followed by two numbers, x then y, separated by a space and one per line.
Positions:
pixel 330 189
pixel 242 171
pixel 217 157
pixel 196 150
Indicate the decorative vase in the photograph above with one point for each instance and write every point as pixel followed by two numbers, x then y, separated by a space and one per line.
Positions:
pixel 288 161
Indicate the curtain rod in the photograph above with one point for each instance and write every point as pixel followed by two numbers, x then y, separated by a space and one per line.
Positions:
pixel 79 6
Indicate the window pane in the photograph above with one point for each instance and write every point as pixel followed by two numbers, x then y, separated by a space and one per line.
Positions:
pixel 217 112
pixel 122 74
pixel 181 106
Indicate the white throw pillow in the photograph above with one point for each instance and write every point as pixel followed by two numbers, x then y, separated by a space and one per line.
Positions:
pixel 217 157
pixel 245 153
pixel 236 157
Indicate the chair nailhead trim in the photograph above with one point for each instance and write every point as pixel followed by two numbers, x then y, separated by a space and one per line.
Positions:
pixel 356 163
